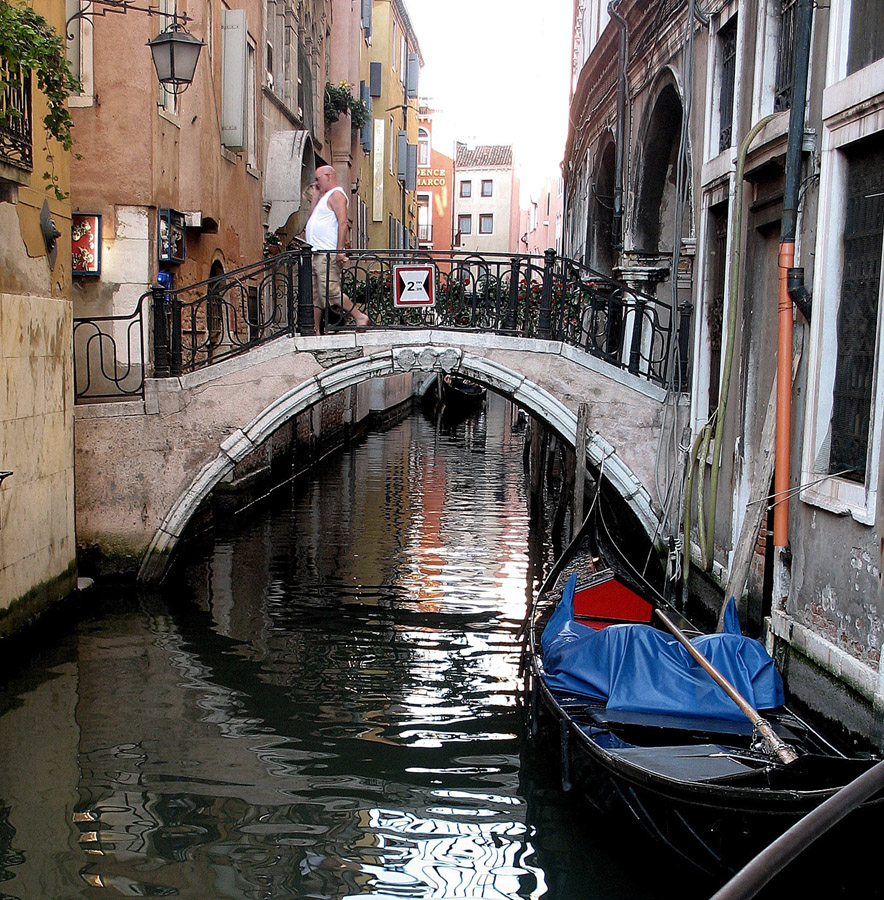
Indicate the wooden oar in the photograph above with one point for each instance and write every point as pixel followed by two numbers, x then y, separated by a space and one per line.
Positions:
pixel 773 744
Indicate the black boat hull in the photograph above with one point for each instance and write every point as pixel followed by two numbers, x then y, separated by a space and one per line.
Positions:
pixel 716 829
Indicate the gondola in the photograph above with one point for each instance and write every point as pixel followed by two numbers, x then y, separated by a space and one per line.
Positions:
pixel 647 734
pixel 461 394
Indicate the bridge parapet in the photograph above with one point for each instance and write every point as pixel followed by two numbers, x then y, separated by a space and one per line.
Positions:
pixel 175 332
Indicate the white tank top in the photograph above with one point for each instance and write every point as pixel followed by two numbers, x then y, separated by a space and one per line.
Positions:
pixel 322 226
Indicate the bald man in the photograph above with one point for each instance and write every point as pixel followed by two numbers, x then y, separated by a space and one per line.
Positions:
pixel 327 230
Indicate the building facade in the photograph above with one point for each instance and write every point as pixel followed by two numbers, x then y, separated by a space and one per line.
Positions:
pixel 435 188
pixel 680 178
pixel 486 199
pixel 543 220
pixel 388 178
pixel 37 539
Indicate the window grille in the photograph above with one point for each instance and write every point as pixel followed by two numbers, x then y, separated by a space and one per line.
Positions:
pixel 727 38
pixel 15 134
pixel 717 287
pixel 858 312
pixel 785 56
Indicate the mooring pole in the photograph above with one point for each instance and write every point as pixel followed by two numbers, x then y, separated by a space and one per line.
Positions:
pixel 580 466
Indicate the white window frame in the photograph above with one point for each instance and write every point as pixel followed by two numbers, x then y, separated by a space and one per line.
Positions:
pixel 767 49
pixel 252 106
pixel 838 494
pixel 713 82
pixel 82 61
pixel 167 101
pixel 423 141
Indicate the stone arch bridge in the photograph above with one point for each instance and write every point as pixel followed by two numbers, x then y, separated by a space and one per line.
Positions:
pixel 143 466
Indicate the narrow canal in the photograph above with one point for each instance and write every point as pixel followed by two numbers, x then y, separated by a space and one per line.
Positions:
pixel 320 703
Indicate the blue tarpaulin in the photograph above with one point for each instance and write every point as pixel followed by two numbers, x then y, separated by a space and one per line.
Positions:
pixel 642 669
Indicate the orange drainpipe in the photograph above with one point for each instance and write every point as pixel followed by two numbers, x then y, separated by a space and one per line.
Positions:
pixel 784 399
pixel 791 196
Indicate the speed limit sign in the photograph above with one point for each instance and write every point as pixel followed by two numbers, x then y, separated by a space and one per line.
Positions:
pixel 414 285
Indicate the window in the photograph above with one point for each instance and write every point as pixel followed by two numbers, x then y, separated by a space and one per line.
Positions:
pixel 866 34
pixel 465 224
pixel 395 45
pixel 167 100
pixel 75 32
pixel 487 187
pixel 718 222
pixel 423 147
pixel 252 108
pixel 486 223
pixel 844 433
pixel 424 219
pixel 466 189
pixel 857 321
pixel 394 137
pixel 727 54
pixel 785 56
pixel 16 141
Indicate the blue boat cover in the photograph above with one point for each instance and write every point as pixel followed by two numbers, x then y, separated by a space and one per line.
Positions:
pixel 642 669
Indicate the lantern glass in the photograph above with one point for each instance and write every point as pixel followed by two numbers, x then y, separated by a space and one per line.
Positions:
pixel 175 55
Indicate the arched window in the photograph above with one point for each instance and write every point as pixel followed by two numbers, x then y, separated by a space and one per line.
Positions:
pixel 657 183
pixel 423 147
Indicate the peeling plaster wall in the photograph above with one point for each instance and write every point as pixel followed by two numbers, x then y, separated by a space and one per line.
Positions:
pixel 839 602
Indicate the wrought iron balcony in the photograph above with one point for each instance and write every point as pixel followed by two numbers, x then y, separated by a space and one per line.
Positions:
pixel 15 118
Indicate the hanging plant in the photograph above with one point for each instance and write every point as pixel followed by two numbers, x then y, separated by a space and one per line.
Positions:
pixel 339 100
pixel 29 43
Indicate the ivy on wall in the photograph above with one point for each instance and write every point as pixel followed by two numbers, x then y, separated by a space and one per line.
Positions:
pixel 29 43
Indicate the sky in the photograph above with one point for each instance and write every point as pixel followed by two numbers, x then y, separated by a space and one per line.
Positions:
pixel 498 73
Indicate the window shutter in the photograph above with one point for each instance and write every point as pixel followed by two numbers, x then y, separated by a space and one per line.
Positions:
pixel 368 127
pixel 411 76
pixel 411 168
pixel 234 68
pixel 374 79
pixel 366 17
pixel 402 156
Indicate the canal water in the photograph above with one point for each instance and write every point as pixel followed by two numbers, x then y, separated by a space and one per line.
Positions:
pixel 321 702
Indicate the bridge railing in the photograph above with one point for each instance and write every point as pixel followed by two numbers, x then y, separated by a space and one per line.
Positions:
pixel 545 297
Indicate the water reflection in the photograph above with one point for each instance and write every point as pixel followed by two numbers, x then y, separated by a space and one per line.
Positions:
pixel 321 703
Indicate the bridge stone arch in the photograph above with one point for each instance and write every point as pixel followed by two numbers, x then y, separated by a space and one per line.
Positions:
pixel 502 378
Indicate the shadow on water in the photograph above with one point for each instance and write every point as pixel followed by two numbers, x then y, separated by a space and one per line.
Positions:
pixel 321 702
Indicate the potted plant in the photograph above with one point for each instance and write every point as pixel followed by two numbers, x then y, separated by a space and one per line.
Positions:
pixel 339 100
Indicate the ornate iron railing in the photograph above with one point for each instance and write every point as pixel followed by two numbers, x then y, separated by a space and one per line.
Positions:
pixel 543 297
pixel 15 118
pixel 109 360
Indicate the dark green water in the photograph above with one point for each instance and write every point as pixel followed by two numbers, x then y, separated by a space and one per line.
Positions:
pixel 320 703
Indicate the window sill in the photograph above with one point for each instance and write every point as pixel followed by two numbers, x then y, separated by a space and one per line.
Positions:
pixel 81 101
pixel 860 88
pixel 171 118
pixel 841 497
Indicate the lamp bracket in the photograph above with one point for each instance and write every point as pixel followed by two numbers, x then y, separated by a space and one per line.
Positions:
pixel 91 8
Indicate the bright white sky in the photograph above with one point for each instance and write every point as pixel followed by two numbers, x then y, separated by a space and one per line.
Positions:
pixel 498 71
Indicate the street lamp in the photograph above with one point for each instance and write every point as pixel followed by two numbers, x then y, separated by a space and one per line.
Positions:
pixel 175 52
pixel 175 55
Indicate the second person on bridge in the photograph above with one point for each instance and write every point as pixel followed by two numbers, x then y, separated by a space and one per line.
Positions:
pixel 326 230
